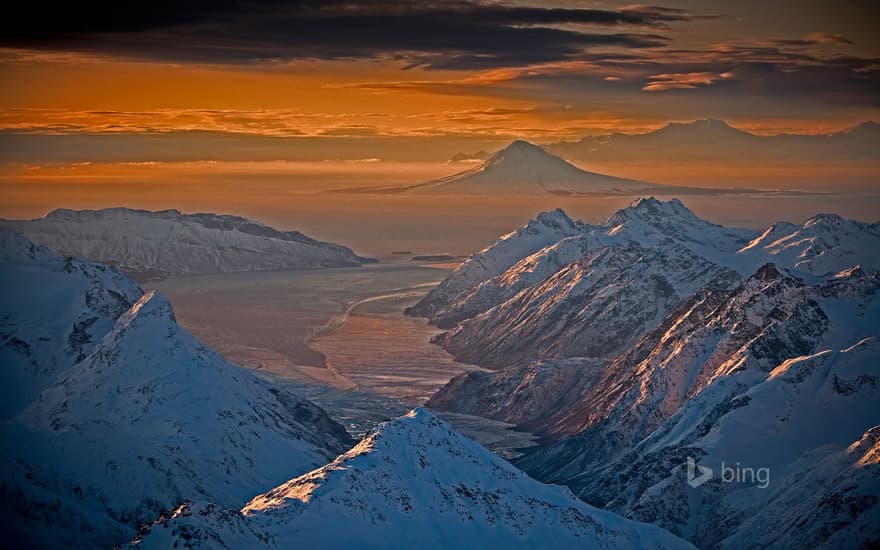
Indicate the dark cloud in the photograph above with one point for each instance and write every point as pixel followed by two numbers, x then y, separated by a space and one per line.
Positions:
pixel 816 39
pixel 452 34
pixel 728 71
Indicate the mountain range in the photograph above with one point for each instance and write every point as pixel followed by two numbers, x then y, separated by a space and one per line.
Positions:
pixel 717 141
pixel 151 245
pixel 655 339
pixel 120 426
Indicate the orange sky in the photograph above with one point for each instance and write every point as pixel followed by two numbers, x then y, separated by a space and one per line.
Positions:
pixel 421 82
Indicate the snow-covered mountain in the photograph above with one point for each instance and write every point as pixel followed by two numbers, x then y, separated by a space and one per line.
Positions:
pixel 823 244
pixel 53 312
pixel 826 243
pixel 626 378
pixel 647 223
pixel 414 482
pixel 546 229
pixel 522 168
pixel 596 306
pixel 717 141
pixel 597 289
pixel 751 376
pixel 158 244
pixel 122 414
pixel 594 293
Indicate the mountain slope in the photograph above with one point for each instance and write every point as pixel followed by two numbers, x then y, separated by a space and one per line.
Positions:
pixel 811 425
pixel 522 168
pixel 547 228
pixel 825 243
pixel 665 399
pixel 646 223
pixel 53 311
pixel 146 419
pixel 158 244
pixel 821 245
pixel 596 306
pixel 568 301
pixel 413 482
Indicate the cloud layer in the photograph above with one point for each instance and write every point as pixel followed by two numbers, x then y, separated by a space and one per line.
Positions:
pixel 452 34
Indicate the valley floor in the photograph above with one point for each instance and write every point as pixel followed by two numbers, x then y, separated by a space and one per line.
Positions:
pixel 337 336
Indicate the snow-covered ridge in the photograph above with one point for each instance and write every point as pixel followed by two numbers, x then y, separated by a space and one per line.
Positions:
pixel 120 413
pixel 594 307
pixel 760 359
pixel 413 482
pixel 53 311
pixel 168 242
pixel 822 245
pixel 546 229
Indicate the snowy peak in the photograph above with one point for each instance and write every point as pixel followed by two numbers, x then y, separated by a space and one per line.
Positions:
pixel 521 147
pixel 824 244
pixel 526 169
pixel 113 412
pixel 521 154
pixel 522 162
pixel 415 447
pixel 546 229
pixel 649 221
pixel 557 220
pixel 413 482
pixel 650 208
pixel 53 312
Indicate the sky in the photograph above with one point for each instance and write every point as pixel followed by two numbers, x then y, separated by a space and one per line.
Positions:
pixel 421 80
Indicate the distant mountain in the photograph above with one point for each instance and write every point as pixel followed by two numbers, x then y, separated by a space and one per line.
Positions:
pixel 469 157
pixel 158 244
pixel 117 413
pixel 522 168
pixel 414 482
pixel 716 140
